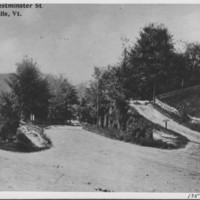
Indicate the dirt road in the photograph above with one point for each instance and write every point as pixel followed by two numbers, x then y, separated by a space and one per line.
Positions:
pixel 150 113
pixel 83 161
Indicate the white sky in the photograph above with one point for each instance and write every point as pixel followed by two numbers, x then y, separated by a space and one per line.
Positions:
pixel 72 39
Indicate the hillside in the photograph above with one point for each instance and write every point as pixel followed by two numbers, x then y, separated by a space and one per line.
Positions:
pixel 153 115
pixel 189 99
pixel 3 85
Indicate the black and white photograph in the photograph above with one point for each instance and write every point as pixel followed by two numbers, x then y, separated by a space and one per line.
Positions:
pixel 100 98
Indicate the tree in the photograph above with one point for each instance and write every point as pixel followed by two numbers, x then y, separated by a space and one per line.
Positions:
pixel 88 105
pixel 118 87
pixel 84 111
pixel 105 100
pixel 63 100
pixel 31 89
pixel 151 59
pixel 177 76
pixel 192 56
pixel 10 115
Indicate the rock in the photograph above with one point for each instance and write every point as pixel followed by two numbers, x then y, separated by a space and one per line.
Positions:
pixel 31 139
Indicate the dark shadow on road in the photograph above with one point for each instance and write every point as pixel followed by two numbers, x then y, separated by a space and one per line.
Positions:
pixel 15 147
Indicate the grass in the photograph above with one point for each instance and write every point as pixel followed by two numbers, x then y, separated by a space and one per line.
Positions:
pixel 188 99
pixel 137 127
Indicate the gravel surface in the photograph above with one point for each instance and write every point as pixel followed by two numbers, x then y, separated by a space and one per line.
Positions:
pixel 83 161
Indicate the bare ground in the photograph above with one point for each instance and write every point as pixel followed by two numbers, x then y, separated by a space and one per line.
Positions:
pixel 83 161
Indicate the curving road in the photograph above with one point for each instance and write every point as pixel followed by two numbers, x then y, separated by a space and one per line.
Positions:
pixel 83 161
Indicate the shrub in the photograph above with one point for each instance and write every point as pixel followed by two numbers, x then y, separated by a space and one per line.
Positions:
pixel 138 129
pixel 183 114
pixel 10 116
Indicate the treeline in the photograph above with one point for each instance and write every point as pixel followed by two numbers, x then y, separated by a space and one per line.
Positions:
pixel 48 98
pixel 149 67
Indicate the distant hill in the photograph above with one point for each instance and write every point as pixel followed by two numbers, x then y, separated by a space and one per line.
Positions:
pixel 80 88
pixel 3 84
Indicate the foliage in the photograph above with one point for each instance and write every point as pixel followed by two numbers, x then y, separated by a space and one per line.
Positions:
pixel 139 131
pixel 63 100
pixel 192 56
pixel 105 100
pixel 148 68
pixel 151 58
pixel 10 115
pixel 31 89
pixel 47 97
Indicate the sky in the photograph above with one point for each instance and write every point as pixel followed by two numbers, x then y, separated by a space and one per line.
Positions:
pixel 71 39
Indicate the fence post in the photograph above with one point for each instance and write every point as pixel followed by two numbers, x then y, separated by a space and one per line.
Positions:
pixel 166 120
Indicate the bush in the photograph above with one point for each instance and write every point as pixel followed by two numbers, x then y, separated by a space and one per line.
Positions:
pixel 183 114
pixel 138 129
pixel 9 116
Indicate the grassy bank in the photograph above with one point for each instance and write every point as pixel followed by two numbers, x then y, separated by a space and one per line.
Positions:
pixel 140 131
pixel 188 99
